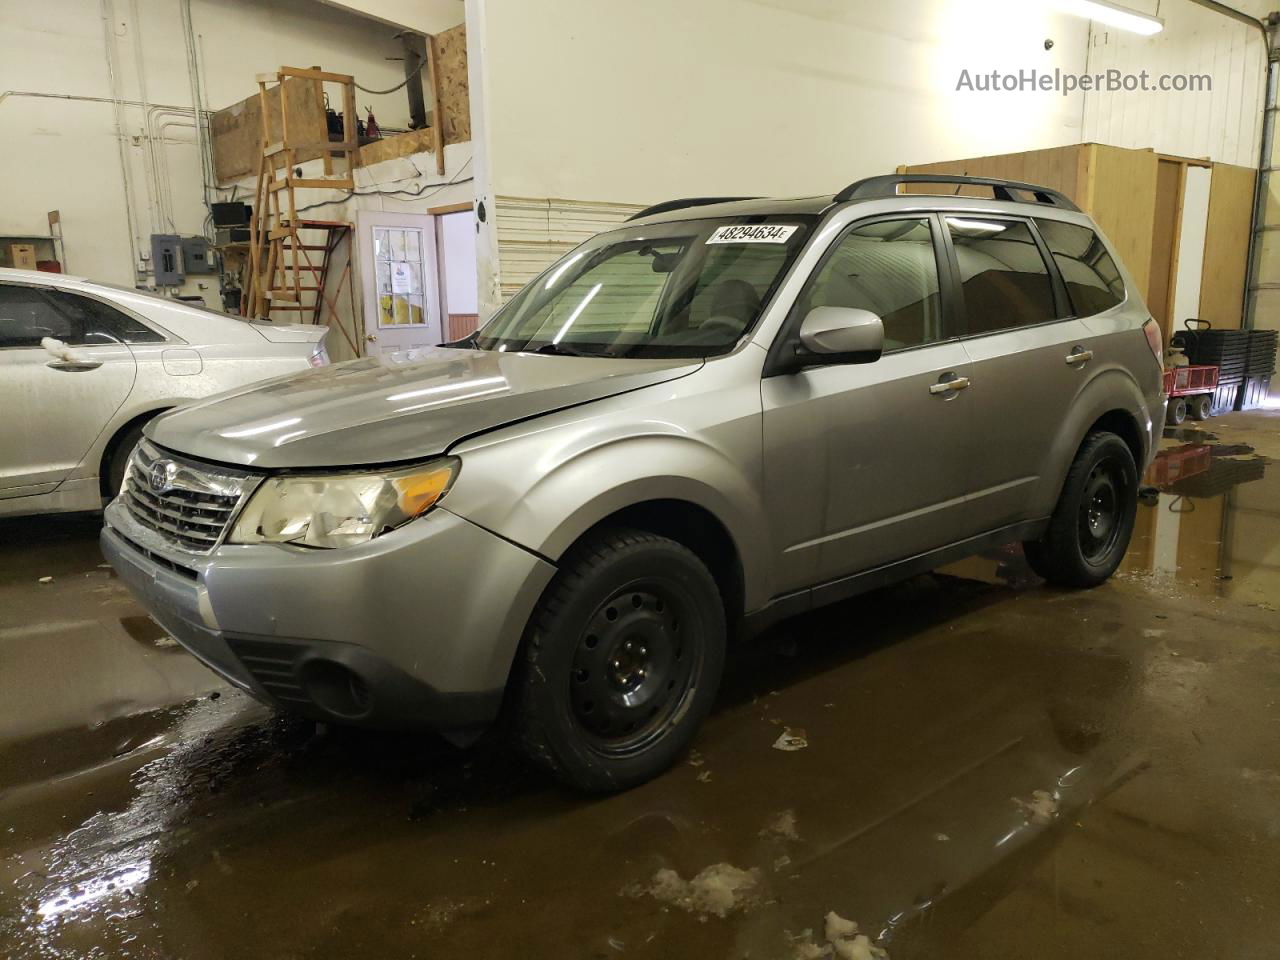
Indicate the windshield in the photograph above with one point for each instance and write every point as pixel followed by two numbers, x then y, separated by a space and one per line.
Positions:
pixel 689 289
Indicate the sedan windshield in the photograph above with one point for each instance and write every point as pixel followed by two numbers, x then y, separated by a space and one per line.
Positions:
pixel 689 289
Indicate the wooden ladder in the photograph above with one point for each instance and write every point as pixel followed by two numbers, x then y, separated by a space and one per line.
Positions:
pixel 284 277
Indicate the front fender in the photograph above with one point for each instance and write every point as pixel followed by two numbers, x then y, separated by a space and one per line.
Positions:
pixel 544 493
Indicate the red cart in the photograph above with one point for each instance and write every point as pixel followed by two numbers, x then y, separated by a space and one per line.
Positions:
pixel 1190 391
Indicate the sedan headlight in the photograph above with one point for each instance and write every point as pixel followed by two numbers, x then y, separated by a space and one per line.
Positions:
pixel 341 510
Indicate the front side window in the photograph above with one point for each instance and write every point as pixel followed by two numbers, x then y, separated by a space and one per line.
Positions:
pixel 27 316
pixel 889 268
pixel 689 289
pixel 1003 276
pixel 1093 280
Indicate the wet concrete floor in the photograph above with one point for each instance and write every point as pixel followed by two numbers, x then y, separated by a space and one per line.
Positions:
pixel 993 769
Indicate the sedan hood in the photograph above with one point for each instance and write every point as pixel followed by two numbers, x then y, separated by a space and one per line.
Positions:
pixel 393 408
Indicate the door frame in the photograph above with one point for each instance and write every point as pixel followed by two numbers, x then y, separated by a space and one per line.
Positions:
pixel 367 272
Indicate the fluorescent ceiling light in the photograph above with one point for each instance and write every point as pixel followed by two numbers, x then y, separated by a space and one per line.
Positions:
pixel 1113 15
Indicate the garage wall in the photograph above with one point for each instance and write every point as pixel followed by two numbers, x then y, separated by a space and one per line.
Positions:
pixel 614 103
pixel 784 97
pixel 1223 124
pixel 65 154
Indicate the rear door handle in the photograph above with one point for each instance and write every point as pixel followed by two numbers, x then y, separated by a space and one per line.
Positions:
pixel 954 385
pixel 1079 356
pixel 73 366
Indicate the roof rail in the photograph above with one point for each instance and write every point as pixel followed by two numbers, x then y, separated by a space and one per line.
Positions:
pixel 681 204
pixel 887 186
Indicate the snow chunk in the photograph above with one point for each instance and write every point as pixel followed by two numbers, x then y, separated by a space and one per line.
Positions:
pixel 791 740
pixel 719 889
pixel 1041 808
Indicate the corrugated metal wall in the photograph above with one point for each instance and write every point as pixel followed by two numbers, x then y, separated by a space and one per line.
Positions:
pixel 1223 125
pixel 533 233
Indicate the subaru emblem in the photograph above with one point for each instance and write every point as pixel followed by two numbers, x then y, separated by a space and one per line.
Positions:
pixel 162 473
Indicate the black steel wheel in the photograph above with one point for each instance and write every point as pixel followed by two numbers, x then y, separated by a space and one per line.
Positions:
pixel 1177 414
pixel 1201 407
pixel 1100 513
pixel 1091 525
pixel 631 670
pixel 621 661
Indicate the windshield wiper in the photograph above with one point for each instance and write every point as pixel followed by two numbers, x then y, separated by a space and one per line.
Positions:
pixel 560 350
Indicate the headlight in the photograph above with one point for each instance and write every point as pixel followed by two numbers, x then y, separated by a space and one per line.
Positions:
pixel 340 510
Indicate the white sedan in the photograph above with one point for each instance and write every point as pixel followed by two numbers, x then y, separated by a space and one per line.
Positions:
pixel 84 366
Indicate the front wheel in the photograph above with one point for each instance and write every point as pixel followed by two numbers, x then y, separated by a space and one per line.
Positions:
pixel 1089 531
pixel 621 661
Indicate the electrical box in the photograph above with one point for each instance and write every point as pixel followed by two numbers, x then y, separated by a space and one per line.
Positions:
pixel 195 256
pixel 166 259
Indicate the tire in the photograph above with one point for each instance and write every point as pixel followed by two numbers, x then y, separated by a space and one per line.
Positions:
pixel 1200 407
pixel 631 616
pixel 1089 531
pixel 1177 411
pixel 119 460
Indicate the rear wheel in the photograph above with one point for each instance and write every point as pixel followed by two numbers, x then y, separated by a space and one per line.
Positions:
pixel 621 661
pixel 1177 411
pixel 1200 407
pixel 1093 521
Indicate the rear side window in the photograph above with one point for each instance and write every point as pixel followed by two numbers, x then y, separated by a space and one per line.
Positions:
pixel 889 268
pixel 101 323
pixel 1004 278
pixel 1091 275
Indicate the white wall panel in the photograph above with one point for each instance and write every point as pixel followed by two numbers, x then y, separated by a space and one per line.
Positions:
pixel 532 234
pixel 1191 241
pixel 1223 124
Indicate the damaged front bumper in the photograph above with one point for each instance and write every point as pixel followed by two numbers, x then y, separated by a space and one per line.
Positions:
pixel 415 629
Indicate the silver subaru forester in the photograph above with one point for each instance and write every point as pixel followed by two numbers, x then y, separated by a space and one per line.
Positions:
pixel 725 412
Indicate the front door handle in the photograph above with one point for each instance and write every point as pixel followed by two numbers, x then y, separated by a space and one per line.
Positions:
pixel 953 385
pixel 1078 356
pixel 73 366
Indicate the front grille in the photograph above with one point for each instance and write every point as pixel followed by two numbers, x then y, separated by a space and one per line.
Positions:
pixel 189 505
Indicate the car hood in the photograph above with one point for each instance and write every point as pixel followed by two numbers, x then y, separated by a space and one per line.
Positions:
pixel 396 407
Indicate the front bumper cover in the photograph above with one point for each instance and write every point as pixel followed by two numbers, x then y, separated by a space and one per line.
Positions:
pixel 420 625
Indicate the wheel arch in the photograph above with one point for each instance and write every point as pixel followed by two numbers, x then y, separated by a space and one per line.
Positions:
pixel 1111 401
pixel 692 526
pixel 117 437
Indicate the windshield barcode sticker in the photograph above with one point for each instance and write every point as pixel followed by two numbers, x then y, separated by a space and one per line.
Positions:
pixel 760 233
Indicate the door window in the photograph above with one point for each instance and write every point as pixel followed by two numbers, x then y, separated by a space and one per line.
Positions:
pixel 889 268
pixel 399 263
pixel 1002 274
pixel 1093 280
pixel 27 316
pixel 101 323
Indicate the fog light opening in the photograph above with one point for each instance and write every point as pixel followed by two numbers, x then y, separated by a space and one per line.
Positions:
pixel 337 689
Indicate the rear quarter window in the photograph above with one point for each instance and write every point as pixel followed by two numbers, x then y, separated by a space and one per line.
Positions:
pixel 1092 278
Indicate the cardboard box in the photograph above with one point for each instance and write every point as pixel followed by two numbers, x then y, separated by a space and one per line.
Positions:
pixel 22 256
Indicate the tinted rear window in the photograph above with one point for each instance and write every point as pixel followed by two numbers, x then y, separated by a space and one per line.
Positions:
pixel 1093 280
pixel 1005 280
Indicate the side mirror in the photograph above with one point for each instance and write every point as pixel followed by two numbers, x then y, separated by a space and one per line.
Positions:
pixel 830 335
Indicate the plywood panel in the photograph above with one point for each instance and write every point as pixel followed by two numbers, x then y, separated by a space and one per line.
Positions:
pixel 1226 250
pixel 1121 198
pixel 455 99
pixel 236 132
pixel 1164 243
